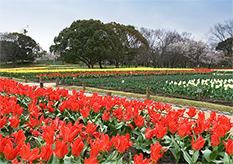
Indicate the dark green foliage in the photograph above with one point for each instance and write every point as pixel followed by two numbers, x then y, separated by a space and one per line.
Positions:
pixel 91 42
pixel 16 47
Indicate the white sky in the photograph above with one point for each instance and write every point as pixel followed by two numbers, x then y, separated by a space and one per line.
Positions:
pixel 46 18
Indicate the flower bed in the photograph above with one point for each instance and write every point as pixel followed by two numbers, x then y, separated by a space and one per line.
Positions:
pixel 215 87
pixel 55 126
pixel 97 73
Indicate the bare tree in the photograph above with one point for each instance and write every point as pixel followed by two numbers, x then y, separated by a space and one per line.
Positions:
pixel 158 41
pixel 220 32
pixel 210 57
pixel 195 50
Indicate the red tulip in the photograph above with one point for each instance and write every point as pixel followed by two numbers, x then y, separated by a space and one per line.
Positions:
pixel 154 117
pixel 121 143
pixel 90 128
pixel 91 160
pixel 198 144
pixel 229 146
pixel 225 122
pixel 218 129
pixel 69 133
pixel 96 107
pixel 2 143
pixel 173 126
pixel 28 155
pixel 3 121
pixel 155 152
pixel 184 129
pixel 131 126
pixel 48 135
pixel 215 139
pixel 95 148
pixel 106 116
pixel 192 112
pixel 16 162
pixel 14 120
pixel 85 112
pixel 19 137
pixel 9 152
pixel 128 114
pixel 105 142
pixel 160 131
pixel 61 148
pixel 138 159
pixel 46 152
pixel 33 108
pixel 118 113
pixel 149 133
pixel 77 147
pixel 139 121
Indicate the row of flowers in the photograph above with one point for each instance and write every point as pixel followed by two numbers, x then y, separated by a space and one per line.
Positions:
pixel 118 73
pixel 55 126
pixel 216 87
pixel 101 74
pixel 52 70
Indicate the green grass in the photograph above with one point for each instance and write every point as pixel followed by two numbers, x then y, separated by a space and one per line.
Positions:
pixel 16 79
pixel 175 101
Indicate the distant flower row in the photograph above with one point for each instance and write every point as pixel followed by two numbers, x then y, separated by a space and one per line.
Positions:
pixel 215 87
pixel 46 69
pixel 99 74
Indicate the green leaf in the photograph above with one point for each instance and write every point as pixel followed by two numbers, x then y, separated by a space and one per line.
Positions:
pixel 187 156
pixel 68 160
pixel 213 155
pixel 120 161
pixel 220 147
pixel 3 161
pixel 176 154
pixel 119 125
pixel 195 156
pixel 53 159
pixel 113 156
pixel 226 159
pixel 206 153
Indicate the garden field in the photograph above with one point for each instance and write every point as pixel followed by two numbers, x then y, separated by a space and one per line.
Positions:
pixel 48 125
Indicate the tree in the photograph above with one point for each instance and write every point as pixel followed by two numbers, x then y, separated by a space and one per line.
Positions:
pixel 210 57
pixel 161 42
pixel 220 32
pixel 177 54
pixel 18 47
pixel 89 41
pixel 195 50
pixel 227 47
pixel 131 43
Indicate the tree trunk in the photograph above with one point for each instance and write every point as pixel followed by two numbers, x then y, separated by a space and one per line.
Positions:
pixel 100 64
pixel 117 64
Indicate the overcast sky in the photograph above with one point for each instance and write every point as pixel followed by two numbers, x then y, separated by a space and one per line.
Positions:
pixel 46 18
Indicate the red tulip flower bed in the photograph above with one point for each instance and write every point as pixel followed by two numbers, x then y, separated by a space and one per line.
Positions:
pixel 99 74
pixel 41 125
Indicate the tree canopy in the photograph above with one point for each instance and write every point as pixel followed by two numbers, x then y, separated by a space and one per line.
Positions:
pixel 92 41
pixel 226 46
pixel 16 47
